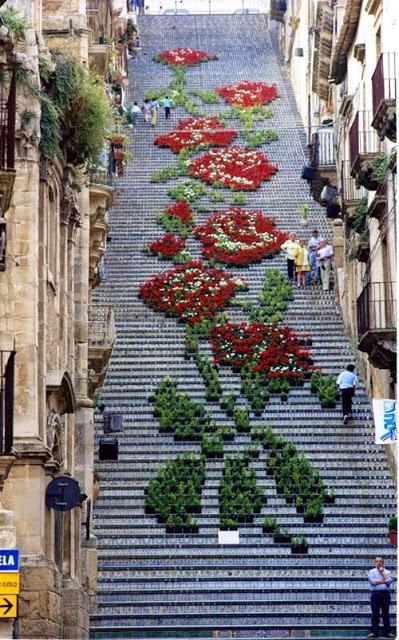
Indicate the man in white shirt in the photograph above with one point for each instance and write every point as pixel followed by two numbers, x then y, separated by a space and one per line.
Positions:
pixel 347 381
pixel 324 256
pixel 380 580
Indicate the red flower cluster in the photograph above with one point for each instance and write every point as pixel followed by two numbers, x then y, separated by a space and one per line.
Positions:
pixel 185 56
pixel 248 94
pixel 191 291
pixel 167 246
pixel 239 237
pixel 180 210
pixel 239 169
pixel 272 349
pixel 195 132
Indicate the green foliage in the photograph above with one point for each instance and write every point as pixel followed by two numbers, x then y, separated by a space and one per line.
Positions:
pixel 241 418
pixel 270 524
pixel 326 388
pixel 210 376
pixel 12 20
pixel 175 493
pixel 359 219
pixel 209 97
pixel 217 196
pixel 239 495
pixel 249 115
pixel 165 174
pixel 254 387
pixel 26 117
pixel 189 191
pixel 178 414
pixel 238 198
pixel 380 167
pixel 273 299
pixel 50 129
pixel 212 444
pixel 393 523
pixel 228 404
pixel 256 139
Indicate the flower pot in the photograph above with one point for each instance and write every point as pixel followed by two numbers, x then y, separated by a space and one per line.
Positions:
pixel 118 141
pixel 267 529
pixel 297 549
pixel 281 537
pixel 300 508
pixel 95 492
pixel 393 537
pixel 309 519
pixel 118 154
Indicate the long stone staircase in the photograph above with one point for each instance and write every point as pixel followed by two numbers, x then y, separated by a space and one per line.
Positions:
pixel 153 584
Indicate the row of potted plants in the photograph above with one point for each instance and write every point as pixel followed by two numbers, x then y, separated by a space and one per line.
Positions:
pixel 239 495
pixel 175 493
pixel 299 544
pixel 325 387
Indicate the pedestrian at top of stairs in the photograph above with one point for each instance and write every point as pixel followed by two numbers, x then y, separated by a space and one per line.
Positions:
pixel 290 247
pixel 325 255
pixel 347 381
pixel 380 580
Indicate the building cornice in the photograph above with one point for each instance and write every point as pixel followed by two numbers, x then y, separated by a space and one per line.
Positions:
pixel 344 41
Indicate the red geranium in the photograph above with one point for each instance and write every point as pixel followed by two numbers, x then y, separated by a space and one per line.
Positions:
pixel 239 169
pixel 271 349
pixel 191 291
pixel 180 210
pixel 185 56
pixel 196 132
pixel 248 94
pixel 239 237
pixel 167 246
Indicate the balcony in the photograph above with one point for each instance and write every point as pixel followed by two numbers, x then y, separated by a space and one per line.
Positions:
pixel 376 323
pixel 322 156
pixel 7 135
pixel 363 147
pixel 101 343
pixel 378 205
pixel 101 199
pixel 277 10
pixel 383 84
pixel 351 195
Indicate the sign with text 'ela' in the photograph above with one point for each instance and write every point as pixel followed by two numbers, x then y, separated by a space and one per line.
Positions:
pixel 9 559
pixel 384 412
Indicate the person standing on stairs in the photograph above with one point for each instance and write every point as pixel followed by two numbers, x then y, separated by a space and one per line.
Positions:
pixel 154 106
pixel 325 256
pixel 347 381
pixel 290 247
pixel 380 580
pixel 314 246
pixel 302 263
pixel 146 110
pixel 167 104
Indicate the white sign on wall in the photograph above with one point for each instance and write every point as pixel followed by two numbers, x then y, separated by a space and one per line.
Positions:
pixel 385 420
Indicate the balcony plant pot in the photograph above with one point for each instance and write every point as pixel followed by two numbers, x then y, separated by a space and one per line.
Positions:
pixel 300 509
pixel 310 519
pixel 227 527
pixel 118 153
pixel 118 140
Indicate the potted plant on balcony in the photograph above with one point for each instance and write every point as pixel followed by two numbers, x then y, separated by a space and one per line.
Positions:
pixel 393 529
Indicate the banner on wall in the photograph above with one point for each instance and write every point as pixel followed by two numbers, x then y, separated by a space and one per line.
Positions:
pixel 385 420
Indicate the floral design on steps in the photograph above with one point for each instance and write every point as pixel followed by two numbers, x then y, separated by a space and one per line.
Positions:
pixel 272 349
pixel 178 217
pixel 166 247
pixel 233 167
pixel 248 93
pixel 239 237
pixel 184 56
pixel 191 292
pixel 197 133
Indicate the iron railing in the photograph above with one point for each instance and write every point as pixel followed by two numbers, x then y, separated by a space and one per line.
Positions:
pixel 383 80
pixel 376 307
pixel 322 148
pixel 7 119
pixel 363 139
pixel 101 326
pixel 7 359
pixel 349 191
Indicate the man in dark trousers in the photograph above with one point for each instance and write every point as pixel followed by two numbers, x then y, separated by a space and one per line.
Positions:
pixel 346 382
pixel 380 580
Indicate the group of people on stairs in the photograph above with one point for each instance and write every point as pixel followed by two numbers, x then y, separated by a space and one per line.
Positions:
pixel 311 262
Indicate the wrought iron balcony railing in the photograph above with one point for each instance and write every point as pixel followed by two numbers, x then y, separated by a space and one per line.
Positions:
pixel 383 80
pixel 7 359
pixel 349 191
pixel 376 308
pixel 363 140
pixel 322 148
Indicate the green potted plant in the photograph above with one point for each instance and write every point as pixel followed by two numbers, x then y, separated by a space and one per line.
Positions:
pixel 282 536
pixel 270 525
pixel 393 529
pixel 299 545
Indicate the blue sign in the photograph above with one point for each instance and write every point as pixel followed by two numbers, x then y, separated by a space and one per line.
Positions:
pixel 63 494
pixel 9 559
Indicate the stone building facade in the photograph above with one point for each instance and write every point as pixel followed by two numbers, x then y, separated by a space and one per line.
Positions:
pixel 54 344
pixel 346 51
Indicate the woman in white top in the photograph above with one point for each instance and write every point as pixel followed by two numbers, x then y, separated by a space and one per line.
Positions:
pixel 289 247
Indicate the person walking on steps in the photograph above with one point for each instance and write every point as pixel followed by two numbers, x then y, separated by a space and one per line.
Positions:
pixel 347 381
pixel 167 103
pixel 290 247
pixel 324 256
pixel 302 263
pixel 154 106
pixel 314 246
pixel 135 112
pixel 146 110
pixel 380 580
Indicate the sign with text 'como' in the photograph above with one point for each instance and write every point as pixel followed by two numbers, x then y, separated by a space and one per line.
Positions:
pixel 9 559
